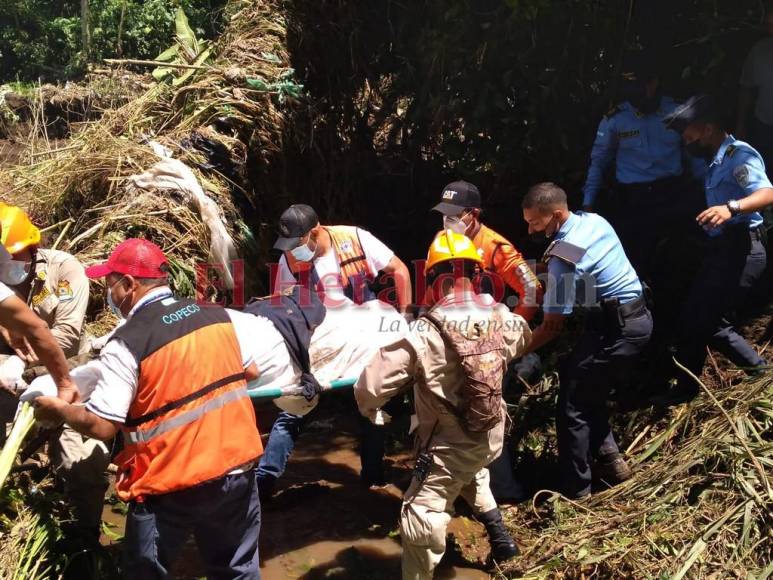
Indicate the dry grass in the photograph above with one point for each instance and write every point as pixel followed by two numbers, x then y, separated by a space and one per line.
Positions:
pixel 700 504
pixel 80 194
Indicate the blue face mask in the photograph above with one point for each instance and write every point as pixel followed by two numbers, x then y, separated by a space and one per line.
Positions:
pixel 14 272
pixel 303 253
pixel 115 308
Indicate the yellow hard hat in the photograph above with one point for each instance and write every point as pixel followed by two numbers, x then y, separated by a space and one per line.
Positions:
pixel 448 245
pixel 16 230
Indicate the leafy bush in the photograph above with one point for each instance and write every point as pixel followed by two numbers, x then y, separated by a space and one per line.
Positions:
pixel 42 38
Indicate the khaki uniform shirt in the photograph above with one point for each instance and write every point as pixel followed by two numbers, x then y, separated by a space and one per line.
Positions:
pixel 60 295
pixel 423 357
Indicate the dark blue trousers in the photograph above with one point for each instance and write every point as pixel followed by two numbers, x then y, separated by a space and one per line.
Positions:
pixel 603 357
pixel 732 263
pixel 224 516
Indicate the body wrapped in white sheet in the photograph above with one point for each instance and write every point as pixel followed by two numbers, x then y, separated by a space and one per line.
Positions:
pixel 340 348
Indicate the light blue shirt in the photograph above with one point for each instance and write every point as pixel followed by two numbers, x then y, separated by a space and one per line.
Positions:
pixel 641 146
pixel 603 272
pixel 736 171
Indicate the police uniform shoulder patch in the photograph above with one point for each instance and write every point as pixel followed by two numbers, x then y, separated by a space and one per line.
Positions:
pixel 64 291
pixel 565 251
pixel 741 174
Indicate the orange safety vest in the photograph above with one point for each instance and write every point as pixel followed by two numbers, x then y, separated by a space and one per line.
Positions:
pixel 191 420
pixel 349 254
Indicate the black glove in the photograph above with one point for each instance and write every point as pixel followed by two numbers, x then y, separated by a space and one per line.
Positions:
pixel 310 385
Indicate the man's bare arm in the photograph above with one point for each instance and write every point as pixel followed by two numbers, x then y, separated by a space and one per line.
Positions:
pixel 17 317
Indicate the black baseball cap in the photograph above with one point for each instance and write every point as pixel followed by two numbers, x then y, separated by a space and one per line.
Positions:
pixel 694 110
pixel 457 196
pixel 294 223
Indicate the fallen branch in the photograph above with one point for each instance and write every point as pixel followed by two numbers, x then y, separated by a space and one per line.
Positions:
pixel 154 63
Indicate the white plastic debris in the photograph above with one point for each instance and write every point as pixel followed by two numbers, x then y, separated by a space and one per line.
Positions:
pixel 175 175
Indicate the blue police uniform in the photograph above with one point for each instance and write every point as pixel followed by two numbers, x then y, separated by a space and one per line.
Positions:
pixel 640 145
pixel 650 197
pixel 734 259
pixel 587 266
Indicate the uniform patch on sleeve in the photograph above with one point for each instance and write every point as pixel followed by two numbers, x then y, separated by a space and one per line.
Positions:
pixel 38 298
pixel 741 174
pixel 64 291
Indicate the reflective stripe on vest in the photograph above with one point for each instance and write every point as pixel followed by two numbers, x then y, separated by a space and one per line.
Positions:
pixel 191 420
pixel 187 417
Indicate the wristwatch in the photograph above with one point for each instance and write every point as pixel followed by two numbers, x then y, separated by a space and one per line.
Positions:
pixel 734 206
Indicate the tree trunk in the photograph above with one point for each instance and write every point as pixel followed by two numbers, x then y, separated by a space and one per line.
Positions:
pixel 85 34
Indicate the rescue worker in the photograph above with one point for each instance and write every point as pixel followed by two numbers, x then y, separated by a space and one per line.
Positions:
pixel 17 318
pixel 644 202
pixel 338 261
pixel 507 272
pixel 734 257
pixel 464 339
pixel 173 380
pixel 460 205
pixel 586 264
pixel 55 287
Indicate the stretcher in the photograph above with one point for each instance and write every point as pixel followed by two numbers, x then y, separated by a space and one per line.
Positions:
pixel 269 393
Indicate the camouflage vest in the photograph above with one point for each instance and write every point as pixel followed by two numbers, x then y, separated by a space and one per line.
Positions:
pixel 480 399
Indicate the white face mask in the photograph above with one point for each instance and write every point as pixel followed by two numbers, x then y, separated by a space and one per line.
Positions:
pixel 14 272
pixel 303 253
pixel 455 224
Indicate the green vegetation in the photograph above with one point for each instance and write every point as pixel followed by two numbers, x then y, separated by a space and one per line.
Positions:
pixel 43 38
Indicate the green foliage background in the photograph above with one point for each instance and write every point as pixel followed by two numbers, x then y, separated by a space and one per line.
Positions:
pixel 42 38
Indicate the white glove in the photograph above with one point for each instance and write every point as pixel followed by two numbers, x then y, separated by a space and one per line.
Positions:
pixel 43 386
pixel 11 370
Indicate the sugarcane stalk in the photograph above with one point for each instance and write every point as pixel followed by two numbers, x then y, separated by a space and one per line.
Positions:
pixel 24 421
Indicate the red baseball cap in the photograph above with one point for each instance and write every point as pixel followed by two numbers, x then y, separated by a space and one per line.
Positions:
pixel 135 257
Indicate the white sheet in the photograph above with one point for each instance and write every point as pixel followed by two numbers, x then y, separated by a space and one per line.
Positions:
pixel 342 345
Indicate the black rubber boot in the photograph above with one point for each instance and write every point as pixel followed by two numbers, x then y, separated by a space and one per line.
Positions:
pixel 502 545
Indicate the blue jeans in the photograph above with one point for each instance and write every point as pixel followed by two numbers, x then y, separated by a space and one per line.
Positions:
pixel 284 434
pixel 281 443
pixel 224 516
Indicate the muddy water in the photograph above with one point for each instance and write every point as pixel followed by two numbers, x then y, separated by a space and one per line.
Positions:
pixel 322 524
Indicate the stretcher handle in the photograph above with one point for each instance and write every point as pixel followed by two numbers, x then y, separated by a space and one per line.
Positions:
pixel 276 392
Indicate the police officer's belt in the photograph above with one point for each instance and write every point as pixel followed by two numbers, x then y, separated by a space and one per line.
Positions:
pixel 648 192
pixel 615 313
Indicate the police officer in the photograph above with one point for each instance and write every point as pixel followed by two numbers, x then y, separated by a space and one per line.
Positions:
pixel 586 264
pixel 647 159
pixel 734 256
